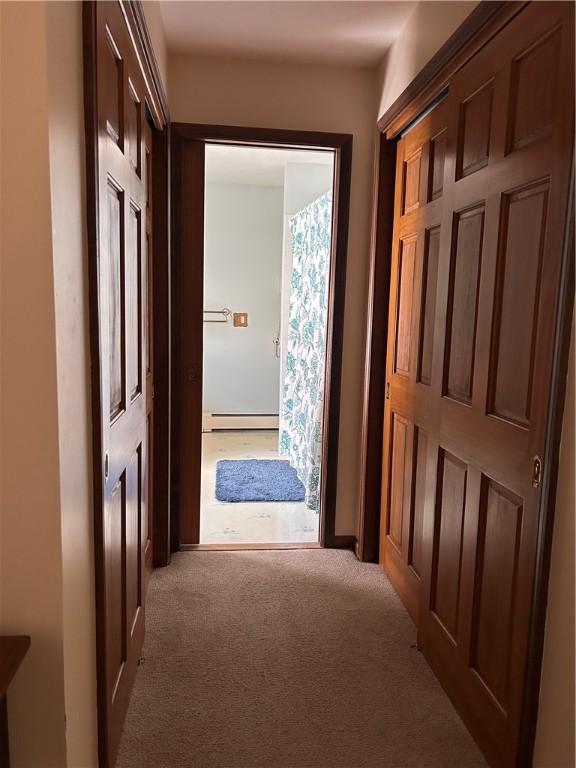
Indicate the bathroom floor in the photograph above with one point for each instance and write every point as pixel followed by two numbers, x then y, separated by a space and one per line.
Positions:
pixel 260 522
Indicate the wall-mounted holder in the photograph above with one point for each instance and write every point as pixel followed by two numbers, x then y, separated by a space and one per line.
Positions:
pixel 225 312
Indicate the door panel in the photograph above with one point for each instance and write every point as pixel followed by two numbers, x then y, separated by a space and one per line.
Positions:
pixel 115 616
pixel 122 329
pixel 399 429
pixel 534 90
pixel 484 302
pixel 500 526
pixel 406 265
pixel 428 304
pixel 474 133
pixel 133 287
pixel 412 181
pixel 419 178
pixel 113 255
pixel 436 169
pixel 465 270
pixel 418 491
pixel 447 544
pixel 517 297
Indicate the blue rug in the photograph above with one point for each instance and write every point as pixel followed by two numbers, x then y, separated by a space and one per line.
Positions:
pixel 257 480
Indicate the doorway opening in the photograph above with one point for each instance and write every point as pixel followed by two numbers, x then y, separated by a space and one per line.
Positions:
pixel 267 249
pixel 258 334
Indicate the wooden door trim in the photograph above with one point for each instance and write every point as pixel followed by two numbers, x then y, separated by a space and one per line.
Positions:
pixel 368 532
pixel 162 349
pixel 157 107
pixel 477 30
pixel 183 133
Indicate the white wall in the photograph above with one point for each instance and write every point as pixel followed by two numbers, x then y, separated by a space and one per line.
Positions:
pixel 304 183
pixel 428 27
pixel 306 97
pixel 242 271
pixel 45 511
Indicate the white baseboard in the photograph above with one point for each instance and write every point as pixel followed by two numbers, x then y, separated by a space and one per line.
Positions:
pixel 211 421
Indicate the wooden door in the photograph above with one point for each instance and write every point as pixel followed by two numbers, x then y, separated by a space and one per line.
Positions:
pixel 472 362
pixel 120 322
pixel 411 394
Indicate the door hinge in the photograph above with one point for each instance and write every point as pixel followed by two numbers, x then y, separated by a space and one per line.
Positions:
pixel 536 471
pixel 387 390
pixel 106 465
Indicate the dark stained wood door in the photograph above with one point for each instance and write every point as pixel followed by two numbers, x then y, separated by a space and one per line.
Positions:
pixel 475 290
pixel 123 532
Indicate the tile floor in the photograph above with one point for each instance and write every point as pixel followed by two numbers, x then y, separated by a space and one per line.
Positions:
pixel 260 522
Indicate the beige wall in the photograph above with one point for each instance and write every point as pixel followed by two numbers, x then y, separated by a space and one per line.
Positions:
pixel 157 36
pixel 68 186
pixel 555 733
pixel 31 554
pixel 45 515
pixel 427 29
pixel 275 95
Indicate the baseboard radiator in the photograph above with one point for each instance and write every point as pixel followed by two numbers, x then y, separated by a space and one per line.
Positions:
pixel 213 421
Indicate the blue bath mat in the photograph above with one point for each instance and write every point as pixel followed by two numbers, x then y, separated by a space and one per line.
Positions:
pixel 257 480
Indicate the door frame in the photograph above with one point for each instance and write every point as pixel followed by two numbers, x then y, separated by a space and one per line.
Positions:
pixel 485 21
pixel 157 110
pixel 188 142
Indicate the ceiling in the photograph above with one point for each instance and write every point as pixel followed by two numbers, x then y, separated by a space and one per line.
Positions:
pixel 258 166
pixel 327 32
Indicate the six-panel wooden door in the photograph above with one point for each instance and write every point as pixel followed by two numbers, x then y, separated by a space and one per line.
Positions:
pixel 412 393
pixel 482 194
pixel 122 166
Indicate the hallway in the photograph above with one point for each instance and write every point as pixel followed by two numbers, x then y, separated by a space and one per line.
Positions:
pixel 294 659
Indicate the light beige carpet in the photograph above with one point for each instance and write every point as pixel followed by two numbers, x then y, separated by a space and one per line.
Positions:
pixel 294 659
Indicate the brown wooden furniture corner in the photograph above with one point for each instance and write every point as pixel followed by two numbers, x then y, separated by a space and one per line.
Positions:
pixel 13 648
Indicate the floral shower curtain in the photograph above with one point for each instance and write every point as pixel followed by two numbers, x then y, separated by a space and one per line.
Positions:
pixel 303 386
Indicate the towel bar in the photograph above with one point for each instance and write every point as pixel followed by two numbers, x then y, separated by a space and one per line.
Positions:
pixel 227 313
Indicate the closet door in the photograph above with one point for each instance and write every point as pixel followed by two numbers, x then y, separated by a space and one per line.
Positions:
pixel 411 412
pixel 117 172
pixel 474 300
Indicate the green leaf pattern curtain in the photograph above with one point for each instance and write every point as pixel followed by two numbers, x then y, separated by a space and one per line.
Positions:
pixel 303 386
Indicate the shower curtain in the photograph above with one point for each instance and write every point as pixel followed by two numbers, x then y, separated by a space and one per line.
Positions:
pixel 303 386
